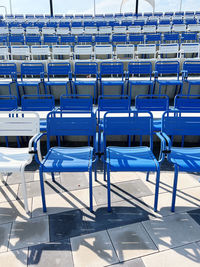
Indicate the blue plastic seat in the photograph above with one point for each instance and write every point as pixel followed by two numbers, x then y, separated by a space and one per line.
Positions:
pixel 76 102
pixel 86 74
pixel 51 39
pixel 68 159
pixel 166 68
pixel 67 39
pixel 136 38
pixel 33 39
pixel 85 39
pixel 9 73
pixel 8 103
pixel 28 71
pixel 58 74
pixel 112 69
pixel 171 37
pixel 191 68
pixel 153 103
pixel 153 38
pixel 176 123
pixel 188 37
pixel 16 39
pixel 102 39
pixel 4 39
pixel 139 73
pixel 130 158
pixel 187 102
pixel 119 38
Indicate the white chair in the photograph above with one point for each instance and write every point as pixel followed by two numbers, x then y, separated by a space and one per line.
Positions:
pixel 4 30
pixel 179 28
pixel 119 29
pixel 62 30
pixel 4 52
pixel 125 51
pixel 84 51
pixel 91 30
pixel 134 29
pixel 61 51
pixel 193 27
pixel 20 52
pixel 105 30
pixel 164 28
pixel 168 49
pixel 40 52
pixel 77 30
pixel 16 159
pixel 32 30
pixel 146 49
pixel 188 49
pixel 48 31
pixel 17 30
pixel 149 29
pixel 103 51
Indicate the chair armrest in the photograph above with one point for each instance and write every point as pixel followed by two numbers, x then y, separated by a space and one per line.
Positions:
pixel 162 148
pixel 37 151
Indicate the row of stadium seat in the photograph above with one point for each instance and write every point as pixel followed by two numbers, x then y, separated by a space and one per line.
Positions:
pixel 99 52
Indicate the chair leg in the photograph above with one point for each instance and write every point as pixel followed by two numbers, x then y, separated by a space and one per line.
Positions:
pixel 53 177
pixel 157 190
pixel 104 170
pixel 108 189
pixel 147 176
pixel 90 185
pixel 24 191
pixel 95 170
pixel 174 188
pixel 42 190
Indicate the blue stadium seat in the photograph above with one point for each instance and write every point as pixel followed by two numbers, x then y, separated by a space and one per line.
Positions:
pixel 16 39
pixel 188 37
pixel 9 73
pixel 153 38
pixel 68 39
pixel 84 39
pixel 171 37
pixel 101 39
pixel 76 102
pixel 136 38
pixel 119 38
pixel 33 39
pixel 187 102
pixel 51 39
pixel 191 68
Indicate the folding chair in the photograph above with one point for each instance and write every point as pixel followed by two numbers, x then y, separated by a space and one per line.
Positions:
pixel 9 73
pixel 187 102
pixel 191 50
pixel 40 52
pixel 103 52
pixel 168 50
pixel 16 159
pixel 140 158
pixel 112 75
pixel 187 159
pixel 191 71
pixel 139 73
pixel 68 159
pixel 4 52
pixel 86 74
pixel 162 71
pixel 76 103
pixel 61 52
pixel 146 51
pixel 20 52
pixel 83 52
pixel 125 52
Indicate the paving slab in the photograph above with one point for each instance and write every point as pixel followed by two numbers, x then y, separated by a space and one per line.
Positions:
pixel 131 263
pixel 16 258
pixel 74 180
pixel 8 192
pixel 4 236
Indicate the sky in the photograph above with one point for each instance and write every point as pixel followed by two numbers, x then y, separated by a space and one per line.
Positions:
pixel 102 6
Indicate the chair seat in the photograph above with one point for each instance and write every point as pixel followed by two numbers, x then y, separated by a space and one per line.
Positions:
pixel 187 158
pixel 71 159
pixel 56 83
pixel 5 82
pixel 170 82
pixel 28 83
pixel 105 83
pixel 131 159
pixel 85 82
pixel 141 82
pixel 13 159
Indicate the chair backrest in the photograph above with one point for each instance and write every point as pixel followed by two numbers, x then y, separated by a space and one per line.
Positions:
pixel 167 67
pixel 62 30
pixel 64 50
pixel 187 102
pixel 75 123
pixel 20 50
pixel 85 69
pixel 37 102
pixel 111 68
pixel 179 122
pixel 40 50
pixel 113 102
pixel 33 69
pixel 51 39
pixel 128 123
pixel 17 123
pixel 59 69
pixel 8 102
pixel 32 30
pixel 192 67
pixel 190 48
pixel 76 102
pixel 77 30
pixel 8 69
pixel 83 50
pixel 17 30
pixel 146 49
pixel 139 68
pixel 152 102
pixel 48 30
pixel 134 29
pixel 169 49
pixel 125 50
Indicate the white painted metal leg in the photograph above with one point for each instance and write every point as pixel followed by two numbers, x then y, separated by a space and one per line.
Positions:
pixel 24 191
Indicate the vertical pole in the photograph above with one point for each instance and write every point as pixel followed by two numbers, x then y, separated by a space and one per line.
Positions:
pixel 136 7
pixel 94 8
pixel 51 7
pixel 10 7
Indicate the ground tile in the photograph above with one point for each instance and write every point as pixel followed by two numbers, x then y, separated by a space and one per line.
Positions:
pixel 131 241
pixel 16 258
pixel 66 224
pixel 74 180
pixel 15 178
pixel 51 254
pixel 172 231
pixel 131 263
pixel 9 192
pixel 185 256
pixel 195 214
pixel 4 236
pixel 93 250
pixel 121 191
pixel 117 177
pixel 29 233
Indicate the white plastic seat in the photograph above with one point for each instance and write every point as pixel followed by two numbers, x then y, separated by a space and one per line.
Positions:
pixel 4 30
pixel 119 29
pixel 17 30
pixel 77 30
pixel 168 49
pixel 164 28
pixel 4 52
pixel 48 30
pixel 62 30
pixel 149 29
pixel 134 29
pixel 61 50
pixel 91 30
pixel 190 48
pixel 193 27
pixel 16 159
pixel 103 50
pixel 146 49
pixel 125 50
pixel 83 50
pixel 105 30
pixel 179 28
pixel 20 51
pixel 32 30
pixel 37 51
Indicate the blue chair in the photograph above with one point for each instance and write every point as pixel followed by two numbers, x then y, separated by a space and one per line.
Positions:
pixel 187 102
pixel 61 71
pixel 64 24
pixel 86 74
pixel 171 37
pixel 102 39
pixel 165 68
pixel 76 102
pixel 85 39
pixel 188 37
pixel 153 38
pixel 4 39
pixel 153 103
pixel 112 69
pixel 33 39
pixel 140 158
pixel 136 70
pixel 119 39
pixel 136 39
pixel 139 23
pixel 51 39
pixel 191 68
pixel 16 39
pixel 9 71
pixel 28 71
pixel 68 159
pixel 68 39
pixel 38 103
pixel 187 159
